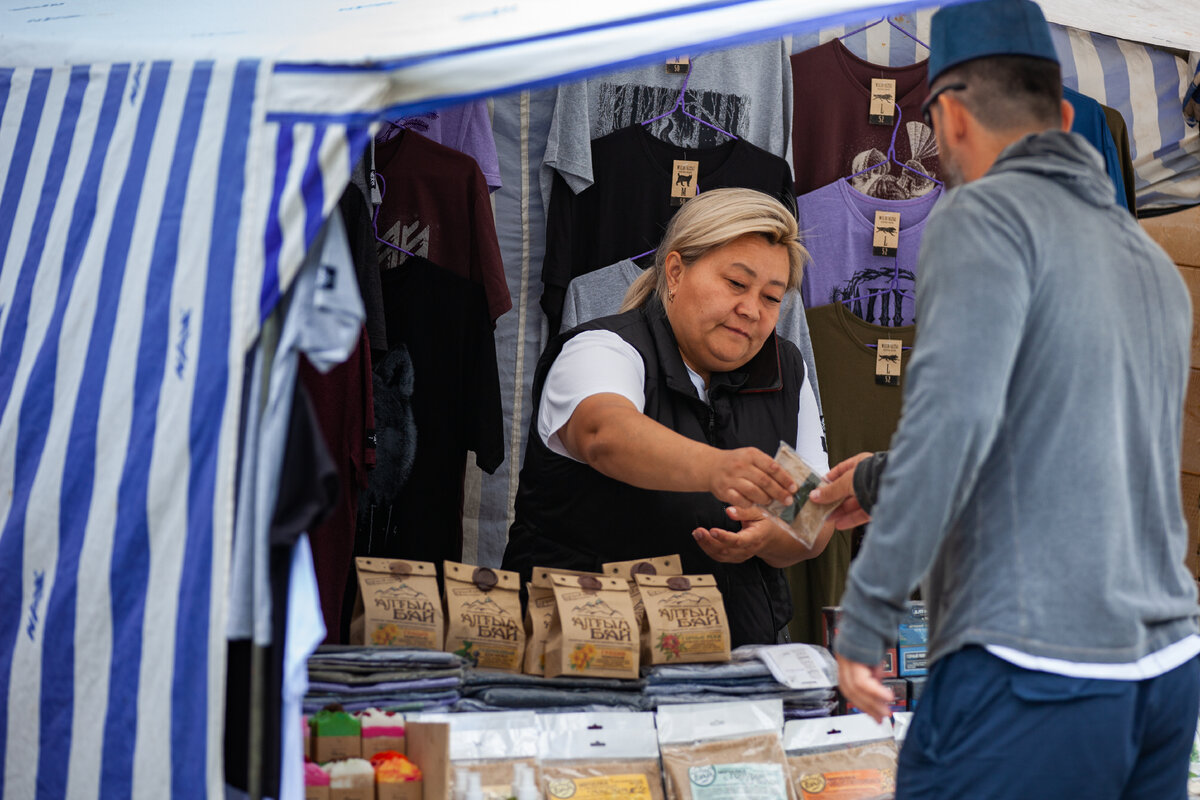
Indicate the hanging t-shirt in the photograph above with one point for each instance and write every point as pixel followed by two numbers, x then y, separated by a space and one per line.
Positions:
pixel 832 137
pixel 837 227
pixel 466 128
pixel 344 405
pixel 860 416
pixel 601 293
pixel 746 91
pixel 1120 135
pixel 625 212
pixel 1091 123
pixel 442 321
pixel 436 206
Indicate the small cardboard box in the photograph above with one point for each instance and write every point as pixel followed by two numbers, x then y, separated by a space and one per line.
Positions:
pixel 363 792
pixel 406 790
pixel 316 793
pixel 899 688
pixel 830 615
pixel 1178 234
pixel 914 638
pixel 429 749
pixel 916 686
pixel 336 736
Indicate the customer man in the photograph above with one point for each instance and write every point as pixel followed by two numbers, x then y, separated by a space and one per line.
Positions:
pixel 1033 482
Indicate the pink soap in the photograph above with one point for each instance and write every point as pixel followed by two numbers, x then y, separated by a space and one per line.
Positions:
pixel 314 775
pixel 376 722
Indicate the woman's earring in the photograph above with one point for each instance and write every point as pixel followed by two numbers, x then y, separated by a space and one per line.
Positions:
pixel 670 295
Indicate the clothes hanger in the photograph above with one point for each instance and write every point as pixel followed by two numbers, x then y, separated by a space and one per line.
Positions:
pixel 891 155
pixel 375 217
pixel 679 106
pixel 889 21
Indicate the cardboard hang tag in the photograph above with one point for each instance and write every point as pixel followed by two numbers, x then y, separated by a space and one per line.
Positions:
pixel 684 176
pixel 885 239
pixel 677 65
pixel 883 102
pixel 376 195
pixel 887 362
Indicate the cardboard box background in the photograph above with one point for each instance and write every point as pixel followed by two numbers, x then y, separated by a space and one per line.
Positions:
pixel 1191 512
pixel 429 748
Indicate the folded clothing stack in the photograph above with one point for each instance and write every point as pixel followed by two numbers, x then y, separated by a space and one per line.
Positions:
pixel 751 679
pixel 494 690
pixel 391 678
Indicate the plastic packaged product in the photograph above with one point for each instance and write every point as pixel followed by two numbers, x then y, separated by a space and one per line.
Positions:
pixel 724 751
pixel 599 756
pixel 803 518
pixel 316 782
pixel 841 758
pixel 489 744
pixel 352 779
pixel 381 731
pixel 900 722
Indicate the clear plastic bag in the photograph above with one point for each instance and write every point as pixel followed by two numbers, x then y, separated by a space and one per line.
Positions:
pixel 803 518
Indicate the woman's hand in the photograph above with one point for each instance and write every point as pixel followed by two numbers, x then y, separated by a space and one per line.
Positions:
pixel 747 476
pixel 760 537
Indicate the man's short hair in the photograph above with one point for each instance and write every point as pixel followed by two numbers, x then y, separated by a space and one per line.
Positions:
pixel 1008 92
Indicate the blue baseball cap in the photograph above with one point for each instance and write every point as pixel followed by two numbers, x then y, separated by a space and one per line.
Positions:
pixel 968 31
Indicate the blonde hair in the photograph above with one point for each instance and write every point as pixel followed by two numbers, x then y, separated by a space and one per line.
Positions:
pixel 714 219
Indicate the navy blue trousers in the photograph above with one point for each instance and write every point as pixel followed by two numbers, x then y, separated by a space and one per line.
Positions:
pixel 986 729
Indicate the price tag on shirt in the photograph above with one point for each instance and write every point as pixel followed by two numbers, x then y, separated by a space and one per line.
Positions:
pixel 677 65
pixel 887 233
pixel 683 181
pixel 883 102
pixel 376 195
pixel 887 361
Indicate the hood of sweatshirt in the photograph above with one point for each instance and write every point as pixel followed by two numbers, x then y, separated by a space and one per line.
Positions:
pixel 1065 158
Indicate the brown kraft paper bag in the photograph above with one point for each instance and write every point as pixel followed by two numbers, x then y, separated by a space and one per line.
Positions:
pixel 483 616
pixel 685 619
pixel 539 615
pixel 400 604
pixel 595 632
pixel 659 565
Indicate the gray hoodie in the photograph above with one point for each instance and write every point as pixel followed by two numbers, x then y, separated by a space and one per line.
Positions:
pixel 1033 481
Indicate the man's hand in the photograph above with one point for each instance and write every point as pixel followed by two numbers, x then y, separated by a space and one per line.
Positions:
pixel 747 476
pixel 839 486
pixel 864 689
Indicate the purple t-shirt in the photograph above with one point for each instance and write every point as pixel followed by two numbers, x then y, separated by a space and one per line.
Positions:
pixel 837 224
pixel 466 128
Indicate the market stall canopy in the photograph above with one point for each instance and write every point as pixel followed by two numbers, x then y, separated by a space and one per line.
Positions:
pixel 1163 23
pixel 432 52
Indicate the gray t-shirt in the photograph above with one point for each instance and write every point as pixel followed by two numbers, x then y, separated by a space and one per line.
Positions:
pixel 599 293
pixel 746 91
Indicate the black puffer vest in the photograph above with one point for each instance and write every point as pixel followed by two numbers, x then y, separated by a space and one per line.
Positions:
pixel 569 515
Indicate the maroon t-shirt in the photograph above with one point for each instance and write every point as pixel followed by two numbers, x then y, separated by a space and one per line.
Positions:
pixel 831 137
pixel 437 206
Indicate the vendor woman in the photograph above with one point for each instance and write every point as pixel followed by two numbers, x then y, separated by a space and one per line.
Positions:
pixel 653 427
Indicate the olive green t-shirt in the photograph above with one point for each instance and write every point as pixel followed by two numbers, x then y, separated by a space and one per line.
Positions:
pixel 860 416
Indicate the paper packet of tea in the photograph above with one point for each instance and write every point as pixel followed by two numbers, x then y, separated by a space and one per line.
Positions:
pixel 483 616
pixel 685 619
pixel 803 518
pixel 540 611
pixel 659 565
pixel 595 633
pixel 400 602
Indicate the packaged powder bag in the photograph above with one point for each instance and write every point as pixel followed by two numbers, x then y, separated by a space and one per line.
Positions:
pixel 594 633
pixel 599 756
pixel 841 758
pixel 539 616
pixel 483 616
pixel 400 601
pixel 803 518
pixel 660 565
pixel 685 619
pixel 490 744
pixel 724 751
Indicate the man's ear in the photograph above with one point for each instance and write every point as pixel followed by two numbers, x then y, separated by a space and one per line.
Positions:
pixel 954 120
pixel 1068 115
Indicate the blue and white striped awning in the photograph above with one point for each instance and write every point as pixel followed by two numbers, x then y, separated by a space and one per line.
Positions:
pixel 163 169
